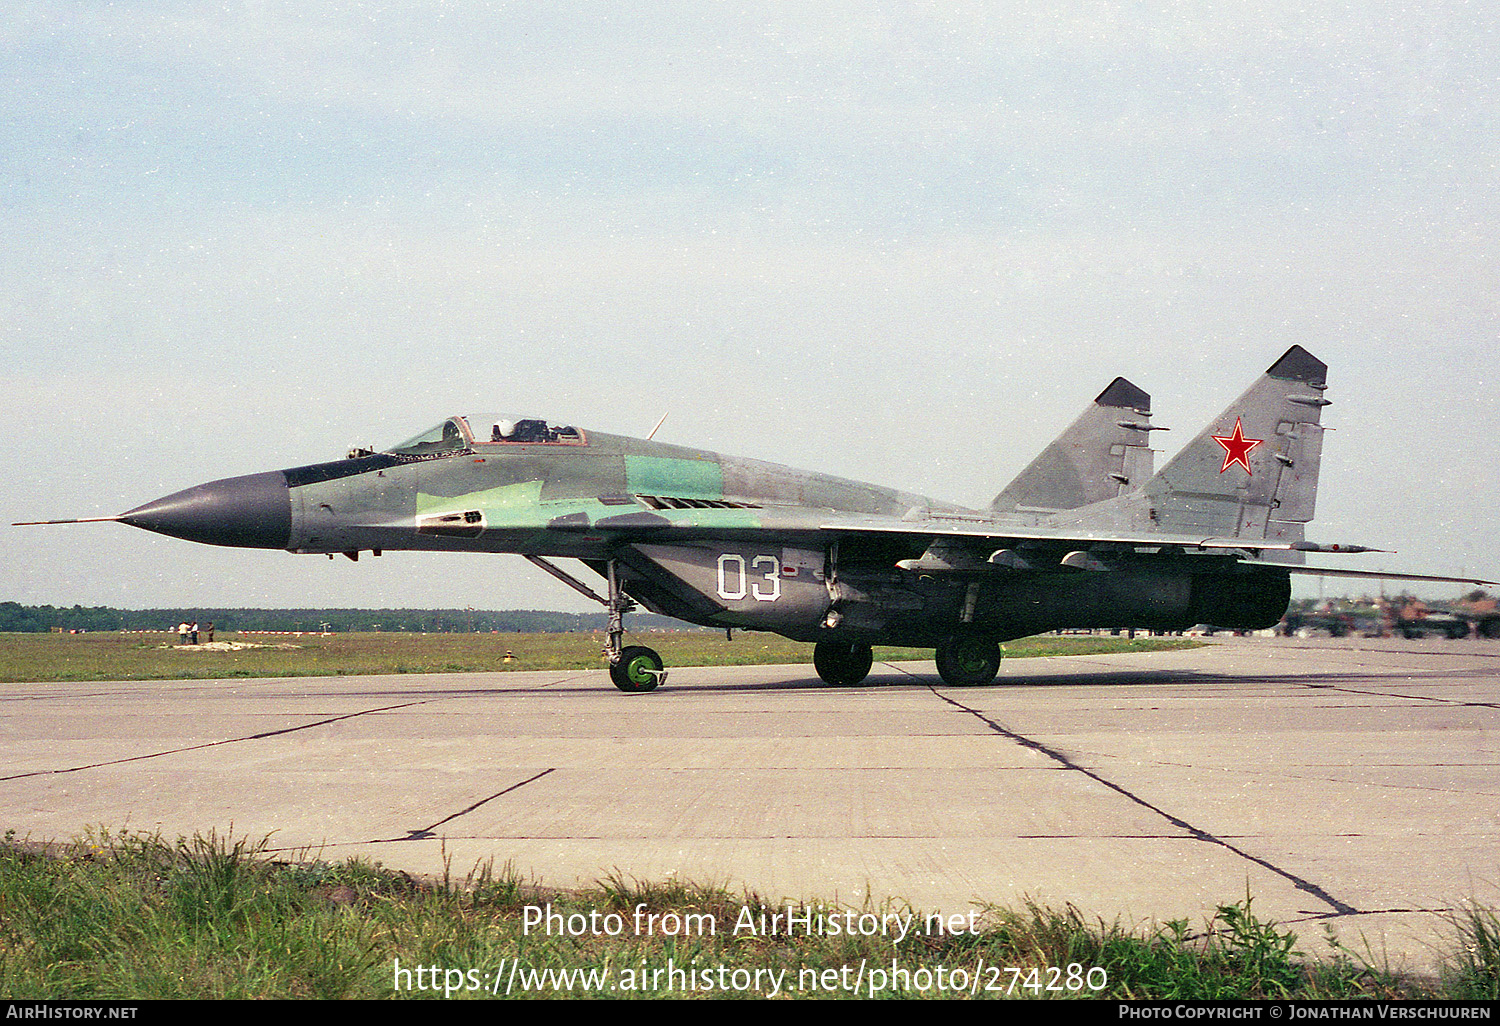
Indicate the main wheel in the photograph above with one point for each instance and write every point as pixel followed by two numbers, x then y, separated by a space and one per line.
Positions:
pixel 639 669
pixel 842 663
pixel 967 660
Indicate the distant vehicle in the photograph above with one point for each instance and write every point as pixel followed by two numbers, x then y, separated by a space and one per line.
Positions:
pixel 1413 618
pixel 1335 625
pixel 1481 611
pixel 1446 624
pixel 1086 536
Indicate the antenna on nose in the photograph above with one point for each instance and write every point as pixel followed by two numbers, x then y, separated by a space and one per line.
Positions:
pixel 81 520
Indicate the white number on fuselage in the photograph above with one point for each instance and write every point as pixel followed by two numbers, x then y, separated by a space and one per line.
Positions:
pixel 733 583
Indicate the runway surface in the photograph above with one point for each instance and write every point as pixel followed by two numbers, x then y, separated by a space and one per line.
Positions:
pixel 1352 785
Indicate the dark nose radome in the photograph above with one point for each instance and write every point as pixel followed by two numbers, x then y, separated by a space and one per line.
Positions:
pixel 254 511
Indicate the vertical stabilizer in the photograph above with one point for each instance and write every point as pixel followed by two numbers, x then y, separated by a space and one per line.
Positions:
pixel 1253 472
pixel 1104 453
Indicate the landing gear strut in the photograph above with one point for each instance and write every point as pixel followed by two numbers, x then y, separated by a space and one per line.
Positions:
pixel 968 660
pixel 842 663
pixel 633 668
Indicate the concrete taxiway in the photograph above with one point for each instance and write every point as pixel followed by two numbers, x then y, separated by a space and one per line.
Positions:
pixel 1352 785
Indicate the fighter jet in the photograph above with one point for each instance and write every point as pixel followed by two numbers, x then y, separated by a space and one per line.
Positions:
pixel 1086 536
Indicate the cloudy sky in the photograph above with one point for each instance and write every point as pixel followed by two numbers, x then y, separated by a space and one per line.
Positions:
pixel 901 242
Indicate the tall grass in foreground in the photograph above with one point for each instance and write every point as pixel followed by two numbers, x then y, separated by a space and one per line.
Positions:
pixel 138 917
pixel 1475 970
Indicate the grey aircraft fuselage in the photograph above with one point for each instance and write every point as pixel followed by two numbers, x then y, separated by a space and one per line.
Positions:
pixel 712 539
pixel 1086 536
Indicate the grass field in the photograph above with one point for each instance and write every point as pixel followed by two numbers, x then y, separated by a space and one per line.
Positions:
pixel 151 656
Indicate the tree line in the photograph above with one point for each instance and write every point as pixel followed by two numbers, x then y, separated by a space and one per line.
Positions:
pixel 15 617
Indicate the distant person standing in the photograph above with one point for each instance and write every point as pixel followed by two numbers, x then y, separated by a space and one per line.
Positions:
pixel 194 633
pixel 209 630
pixel 182 633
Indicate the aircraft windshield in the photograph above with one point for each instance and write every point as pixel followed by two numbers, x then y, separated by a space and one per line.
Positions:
pixel 447 437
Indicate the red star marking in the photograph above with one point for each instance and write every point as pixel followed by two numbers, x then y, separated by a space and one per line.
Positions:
pixel 1237 448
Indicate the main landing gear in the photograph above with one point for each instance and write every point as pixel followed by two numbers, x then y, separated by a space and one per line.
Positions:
pixel 968 660
pixel 633 668
pixel 842 663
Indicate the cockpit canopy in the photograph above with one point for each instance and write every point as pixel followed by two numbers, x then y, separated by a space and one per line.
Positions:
pixel 445 438
pixel 458 434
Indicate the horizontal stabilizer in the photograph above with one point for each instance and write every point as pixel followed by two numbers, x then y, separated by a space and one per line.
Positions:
pixel 1323 571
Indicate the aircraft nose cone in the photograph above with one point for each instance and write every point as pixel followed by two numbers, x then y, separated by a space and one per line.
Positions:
pixel 254 511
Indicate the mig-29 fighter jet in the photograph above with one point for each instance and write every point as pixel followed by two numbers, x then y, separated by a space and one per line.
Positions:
pixel 1086 536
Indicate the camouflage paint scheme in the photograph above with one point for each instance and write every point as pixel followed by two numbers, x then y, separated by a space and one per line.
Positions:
pixel 1086 536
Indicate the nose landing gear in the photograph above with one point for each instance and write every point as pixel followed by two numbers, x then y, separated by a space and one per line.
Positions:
pixel 635 668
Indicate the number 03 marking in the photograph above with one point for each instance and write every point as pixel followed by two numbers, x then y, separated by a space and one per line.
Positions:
pixel 734 583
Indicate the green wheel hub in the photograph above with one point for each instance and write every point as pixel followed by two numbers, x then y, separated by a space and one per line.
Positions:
pixel 638 670
pixel 967 660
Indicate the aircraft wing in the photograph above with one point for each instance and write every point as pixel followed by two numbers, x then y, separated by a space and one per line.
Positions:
pixel 1012 543
pixel 939 542
pixel 946 527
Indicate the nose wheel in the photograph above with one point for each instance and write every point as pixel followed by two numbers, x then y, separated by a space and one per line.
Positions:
pixel 639 669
